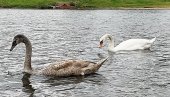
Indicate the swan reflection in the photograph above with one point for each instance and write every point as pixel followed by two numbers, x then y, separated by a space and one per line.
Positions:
pixel 27 84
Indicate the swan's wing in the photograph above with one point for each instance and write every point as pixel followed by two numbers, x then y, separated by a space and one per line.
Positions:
pixel 133 44
pixel 71 63
pixel 70 67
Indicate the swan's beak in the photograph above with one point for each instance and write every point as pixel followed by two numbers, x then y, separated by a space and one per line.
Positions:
pixel 101 44
pixel 13 45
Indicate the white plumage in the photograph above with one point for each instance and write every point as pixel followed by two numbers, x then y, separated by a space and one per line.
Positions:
pixel 131 44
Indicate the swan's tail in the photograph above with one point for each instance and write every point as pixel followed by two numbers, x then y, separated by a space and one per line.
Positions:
pixel 102 61
pixel 152 40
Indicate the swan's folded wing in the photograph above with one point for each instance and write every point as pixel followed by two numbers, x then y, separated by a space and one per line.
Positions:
pixel 133 44
pixel 68 67
pixel 70 63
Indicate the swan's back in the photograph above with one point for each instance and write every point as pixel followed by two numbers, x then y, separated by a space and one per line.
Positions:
pixel 70 67
pixel 134 44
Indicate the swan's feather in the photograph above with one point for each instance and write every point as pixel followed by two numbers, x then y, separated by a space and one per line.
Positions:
pixel 131 44
pixel 70 67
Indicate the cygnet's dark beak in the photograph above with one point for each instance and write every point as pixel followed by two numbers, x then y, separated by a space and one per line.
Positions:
pixel 13 45
pixel 101 44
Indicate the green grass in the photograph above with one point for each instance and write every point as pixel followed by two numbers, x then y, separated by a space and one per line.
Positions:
pixel 28 3
pixel 86 3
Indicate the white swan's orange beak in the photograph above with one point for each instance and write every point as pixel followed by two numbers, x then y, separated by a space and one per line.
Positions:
pixel 101 44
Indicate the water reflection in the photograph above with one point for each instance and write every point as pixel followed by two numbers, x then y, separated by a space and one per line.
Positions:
pixel 92 78
pixel 61 84
pixel 27 84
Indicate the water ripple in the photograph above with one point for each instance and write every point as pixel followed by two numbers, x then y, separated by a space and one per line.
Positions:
pixel 74 34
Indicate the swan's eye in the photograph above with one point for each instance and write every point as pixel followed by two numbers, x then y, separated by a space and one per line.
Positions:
pixel 17 40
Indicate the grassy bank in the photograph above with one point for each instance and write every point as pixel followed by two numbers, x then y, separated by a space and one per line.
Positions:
pixel 101 4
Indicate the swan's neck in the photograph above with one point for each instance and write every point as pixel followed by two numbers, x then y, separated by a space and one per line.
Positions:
pixel 111 43
pixel 27 63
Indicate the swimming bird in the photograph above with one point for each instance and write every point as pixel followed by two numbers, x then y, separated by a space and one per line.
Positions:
pixel 131 44
pixel 62 68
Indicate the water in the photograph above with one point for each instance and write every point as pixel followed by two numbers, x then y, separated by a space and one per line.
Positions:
pixel 65 34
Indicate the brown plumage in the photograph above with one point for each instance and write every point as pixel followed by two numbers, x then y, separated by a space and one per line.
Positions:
pixel 62 68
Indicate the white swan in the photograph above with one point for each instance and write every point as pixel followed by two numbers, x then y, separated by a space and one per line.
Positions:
pixel 63 68
pixel 131 44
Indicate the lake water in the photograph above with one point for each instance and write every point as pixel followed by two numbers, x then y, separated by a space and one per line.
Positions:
pixel 74 34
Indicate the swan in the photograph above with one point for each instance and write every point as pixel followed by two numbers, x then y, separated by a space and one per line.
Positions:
pixel 131 44
pixel 62 68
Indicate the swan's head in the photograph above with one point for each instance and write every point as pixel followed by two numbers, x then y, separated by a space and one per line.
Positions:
pixel 103 38
pixel 17 39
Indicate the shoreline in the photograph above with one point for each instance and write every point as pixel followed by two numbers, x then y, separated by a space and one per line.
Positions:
pixel 119 8
pixel 86 4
